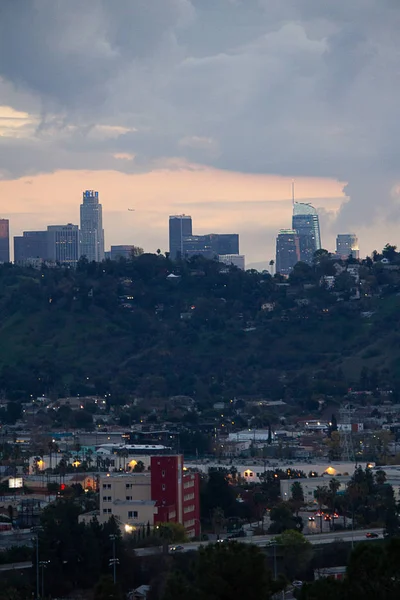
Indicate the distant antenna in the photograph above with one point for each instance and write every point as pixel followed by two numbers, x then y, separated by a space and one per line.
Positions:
pixel 293 192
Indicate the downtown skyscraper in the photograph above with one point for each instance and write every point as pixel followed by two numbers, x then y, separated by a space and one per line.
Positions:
pixel 305 222
pixel 92 233
pixel 4 241
pixel 287 251
pixel 180 226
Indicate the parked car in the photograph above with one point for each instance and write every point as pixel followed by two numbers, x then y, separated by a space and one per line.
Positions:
pixel 297 584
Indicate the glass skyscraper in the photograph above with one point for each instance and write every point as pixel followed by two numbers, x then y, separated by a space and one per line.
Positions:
pixel 92 233
pixel 180 226
pixel 305 223
pixel 4 241
pixel 287 251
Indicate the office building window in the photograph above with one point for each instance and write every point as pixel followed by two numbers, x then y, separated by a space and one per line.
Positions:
pixel 132 514
pixel 129 498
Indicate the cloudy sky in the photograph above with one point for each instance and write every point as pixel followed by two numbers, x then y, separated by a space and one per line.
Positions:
pixel 208 107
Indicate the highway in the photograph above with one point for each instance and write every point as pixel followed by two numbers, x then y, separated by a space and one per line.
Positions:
pixel 24 538
pixel 358 535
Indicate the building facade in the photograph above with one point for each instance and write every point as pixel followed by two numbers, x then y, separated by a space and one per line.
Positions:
pixel 305 222
pixel 92 233
pixel 347 245
pixel 124 251
pixel 211 245
pixel 4 240
pixel 180 226
pixel 31 245
pixel 165 493
pixel 237 260
pixel 287 251
pixel 63 244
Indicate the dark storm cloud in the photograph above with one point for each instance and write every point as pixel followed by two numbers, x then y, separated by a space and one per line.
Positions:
pixel 294 87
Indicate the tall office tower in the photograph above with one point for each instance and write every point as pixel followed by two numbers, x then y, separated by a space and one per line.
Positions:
pixel 287 251
pixel 4 240
pixel 30 245
pixel 346 245
pixel 180 226
pixel 92 233
pixel 306 224
pixel 63 244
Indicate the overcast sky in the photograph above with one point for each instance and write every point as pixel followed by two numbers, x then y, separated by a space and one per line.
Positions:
pixel 208 107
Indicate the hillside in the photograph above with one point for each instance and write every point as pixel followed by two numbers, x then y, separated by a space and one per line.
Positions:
pixel 128 329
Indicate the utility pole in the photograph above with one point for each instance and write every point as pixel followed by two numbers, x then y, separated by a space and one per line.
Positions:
pixel 36 530
pixel 43 564
pixel 114 561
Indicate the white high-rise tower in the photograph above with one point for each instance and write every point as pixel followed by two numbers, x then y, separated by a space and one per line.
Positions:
pixel 92 233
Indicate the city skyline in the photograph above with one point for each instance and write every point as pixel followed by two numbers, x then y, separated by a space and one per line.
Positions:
pixel 88 241
pixel 178 118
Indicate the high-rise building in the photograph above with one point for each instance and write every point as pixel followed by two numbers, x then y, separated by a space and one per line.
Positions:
pixel 30 245
pixel 305 222
pixel 124 251
pixel 4 240
pixel 63 244
pixel 237 260
pixel 180 226
pixel 287 251
pixel 346 245
pixel 227 243
pixel 92 233
pixel 211 245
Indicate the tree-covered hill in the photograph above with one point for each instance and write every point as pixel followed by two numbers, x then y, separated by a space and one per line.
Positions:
pixel 131 329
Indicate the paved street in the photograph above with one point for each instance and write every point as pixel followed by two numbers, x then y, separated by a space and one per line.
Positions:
pixel 16 538
pixel 263 540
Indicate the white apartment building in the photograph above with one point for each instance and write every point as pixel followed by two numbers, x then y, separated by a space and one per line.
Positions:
pixel 127 497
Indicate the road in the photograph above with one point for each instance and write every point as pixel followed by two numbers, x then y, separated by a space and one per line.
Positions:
pixel 262 540
pixel 22 537
pixel 16 566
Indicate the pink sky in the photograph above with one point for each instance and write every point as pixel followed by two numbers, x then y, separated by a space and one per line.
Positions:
pixel 255 206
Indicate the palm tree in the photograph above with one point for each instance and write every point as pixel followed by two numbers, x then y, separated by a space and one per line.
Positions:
pixel 321 495
pixel 334 486
pixel 271 264
pixel 297 496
